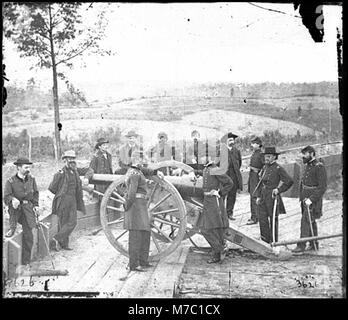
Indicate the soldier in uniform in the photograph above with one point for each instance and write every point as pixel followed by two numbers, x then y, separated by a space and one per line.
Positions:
pixel 257 161
pixel 312 188
pixel 136 218
pixel 233 171
pixel 272 174
pixel 67 189
pixel 22 198
pixel 101 163
pixel 125 152
pixel 213 221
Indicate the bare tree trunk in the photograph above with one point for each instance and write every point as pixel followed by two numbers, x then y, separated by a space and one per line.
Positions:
pixel 55 92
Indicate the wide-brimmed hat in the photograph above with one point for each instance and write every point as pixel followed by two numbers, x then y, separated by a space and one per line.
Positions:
pixel 69 154
pixel 21 161
pixel 131 133
pixel 308 149
pixel 101 141
pixel 228 136
pixel 270 150
pixel 256 140
pixel 162 134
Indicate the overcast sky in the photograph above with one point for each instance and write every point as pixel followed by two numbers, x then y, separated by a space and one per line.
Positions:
pixel 207 42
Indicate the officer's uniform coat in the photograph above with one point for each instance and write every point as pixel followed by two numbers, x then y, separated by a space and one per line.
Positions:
pixel 23 190
pixel 214 213
pixel 313 185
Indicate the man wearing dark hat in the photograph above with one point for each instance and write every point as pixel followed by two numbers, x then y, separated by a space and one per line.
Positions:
pixel 233 171
pixel 312 188
pixel 257 161
pixel 274 181
pixel 67 189
pixel 22 198
pixel 136 218
pixel 101 163
pixel 125 152
pixel 213 220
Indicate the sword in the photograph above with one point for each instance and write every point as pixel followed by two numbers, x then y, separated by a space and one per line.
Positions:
pixel 311 227
pixel 273 218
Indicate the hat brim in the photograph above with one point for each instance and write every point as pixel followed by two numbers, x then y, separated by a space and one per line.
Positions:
pixel 73 157
pixel 275 153
pixel 20 163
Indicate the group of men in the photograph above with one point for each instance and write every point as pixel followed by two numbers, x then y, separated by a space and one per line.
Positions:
pixel 267 181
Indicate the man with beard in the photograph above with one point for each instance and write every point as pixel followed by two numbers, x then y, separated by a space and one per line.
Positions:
pixel 101 163
pixel 233 171
pixel 256 163
pixel 125 152
pixel 312 188
pixel 136 217
pixel 272 174
pixel 22 198
pixel 67 189
pixel 213 220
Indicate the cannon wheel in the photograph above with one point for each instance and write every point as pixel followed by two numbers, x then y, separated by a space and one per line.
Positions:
pixel 167 211
pixel 191 228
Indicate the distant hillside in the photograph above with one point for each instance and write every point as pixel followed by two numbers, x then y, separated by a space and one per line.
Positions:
pixel 260 90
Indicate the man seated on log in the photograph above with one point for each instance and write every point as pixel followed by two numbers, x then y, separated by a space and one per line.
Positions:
pixel 213 221
pixel 21 195
pixel 312 188
pixel 136 217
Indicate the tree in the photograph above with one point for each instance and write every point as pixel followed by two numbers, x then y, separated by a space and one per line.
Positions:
pixel 55 34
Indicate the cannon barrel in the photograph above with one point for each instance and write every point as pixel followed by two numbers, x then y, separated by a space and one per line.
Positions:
pixel 183 184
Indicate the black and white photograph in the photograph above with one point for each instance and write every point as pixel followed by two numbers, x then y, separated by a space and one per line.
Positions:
pixel 172 150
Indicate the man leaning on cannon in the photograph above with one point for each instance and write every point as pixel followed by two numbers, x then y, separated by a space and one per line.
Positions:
pixel 68 198
pixel 312 188
pixel 22 198
pixel 213 220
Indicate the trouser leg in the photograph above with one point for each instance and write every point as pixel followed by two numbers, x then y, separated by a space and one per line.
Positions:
pixel 231 200
pixel 254 208
pixel 134 248
pixel 215 239
pixel 145 247
pixel 27 241
pixel 264 223
pixel 67 224
pixel 12 219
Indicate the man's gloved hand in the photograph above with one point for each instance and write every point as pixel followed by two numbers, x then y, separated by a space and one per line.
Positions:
pixel 275 192
pixel 177 172
pixel 36 210
pixel 215 193
pixel 192 176
pixel 308 202
pixel 160 175
pixel 15 203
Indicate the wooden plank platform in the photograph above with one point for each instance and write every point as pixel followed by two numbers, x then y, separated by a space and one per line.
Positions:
pixel 95 266
pixel 244 274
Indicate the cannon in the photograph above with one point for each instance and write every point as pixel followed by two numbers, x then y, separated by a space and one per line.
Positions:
pixel 174 203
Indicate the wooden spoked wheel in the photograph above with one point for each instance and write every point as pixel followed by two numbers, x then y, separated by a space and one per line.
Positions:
pixel 167 211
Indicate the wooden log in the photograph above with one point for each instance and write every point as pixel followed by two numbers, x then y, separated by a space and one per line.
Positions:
pixel 283 243
pixel 43 273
